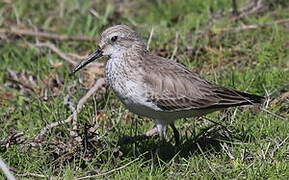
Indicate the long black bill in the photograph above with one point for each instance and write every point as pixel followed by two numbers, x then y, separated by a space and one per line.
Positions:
pixel 97 54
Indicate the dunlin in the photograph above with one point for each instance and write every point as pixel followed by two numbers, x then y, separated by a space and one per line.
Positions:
pixel 156 87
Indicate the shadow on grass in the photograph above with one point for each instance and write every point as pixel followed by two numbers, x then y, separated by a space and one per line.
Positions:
pixel 210 140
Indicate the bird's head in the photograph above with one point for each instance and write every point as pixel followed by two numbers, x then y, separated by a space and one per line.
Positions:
pixel 114 42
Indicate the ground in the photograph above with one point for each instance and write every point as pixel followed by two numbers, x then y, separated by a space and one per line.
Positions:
pixel 245 48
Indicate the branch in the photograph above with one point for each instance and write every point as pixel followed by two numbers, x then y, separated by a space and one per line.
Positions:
pixel 53 48
pixel 27 174
pixel 271 94
pixel 98 84
pixel 67 56
pixel 150 38
pixel 176 46
pixel 45 35
pixel 108 172
pixel 253 7
pixel 6 171
pixel 252 26
pixel 275 115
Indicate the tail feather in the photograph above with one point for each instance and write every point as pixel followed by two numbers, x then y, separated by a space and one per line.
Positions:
pixel 230 98
pixel 251 98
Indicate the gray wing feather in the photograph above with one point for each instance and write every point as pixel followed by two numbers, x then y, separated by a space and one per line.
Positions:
pixel 172 87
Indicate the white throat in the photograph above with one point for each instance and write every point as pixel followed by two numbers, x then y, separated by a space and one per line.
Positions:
pixel 115 53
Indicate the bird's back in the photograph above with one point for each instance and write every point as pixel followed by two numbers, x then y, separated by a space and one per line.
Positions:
pixel 173 87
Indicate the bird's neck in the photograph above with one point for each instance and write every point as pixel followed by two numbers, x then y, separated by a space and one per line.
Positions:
pixel 131 57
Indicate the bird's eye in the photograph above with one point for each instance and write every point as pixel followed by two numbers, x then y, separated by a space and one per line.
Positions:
pixel 113 38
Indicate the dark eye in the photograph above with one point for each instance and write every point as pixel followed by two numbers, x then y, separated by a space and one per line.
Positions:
pixel 113 38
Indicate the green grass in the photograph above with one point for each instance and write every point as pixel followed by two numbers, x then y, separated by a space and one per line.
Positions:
pixel 257 61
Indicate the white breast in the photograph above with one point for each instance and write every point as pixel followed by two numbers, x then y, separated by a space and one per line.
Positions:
pixel 128 87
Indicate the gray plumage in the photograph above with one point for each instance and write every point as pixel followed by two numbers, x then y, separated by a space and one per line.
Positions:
pixel 157 87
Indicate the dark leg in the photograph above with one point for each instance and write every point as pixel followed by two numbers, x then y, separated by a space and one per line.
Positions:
pixel 176 134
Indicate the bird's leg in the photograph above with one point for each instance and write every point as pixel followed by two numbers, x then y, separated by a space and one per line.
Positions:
pixel 176 134
pixel 162 132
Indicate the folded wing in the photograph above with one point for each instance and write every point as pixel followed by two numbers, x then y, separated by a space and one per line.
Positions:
pixel 172 87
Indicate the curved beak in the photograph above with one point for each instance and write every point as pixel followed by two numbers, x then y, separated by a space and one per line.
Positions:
pixel 97 54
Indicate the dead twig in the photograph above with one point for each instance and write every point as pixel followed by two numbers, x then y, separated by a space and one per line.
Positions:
pixel 13 138
pixel 282 97
pixel 21 83
pixel 216 123
pixel 56 51
pixel 98 84
pixel 76 56
pixel 176 46
pixel 150 38
pixel 227 151
pixel 32 175
pixel 21 174
pixel 21 80
pixel 275 115
pixel 6 171
pixel 42 133
pixel 278 90
pixel 254 6
pixel 278 146
pixel 67 56
pixel 44 35
pixel 108 172
pixel 73 132
pixel 251 26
